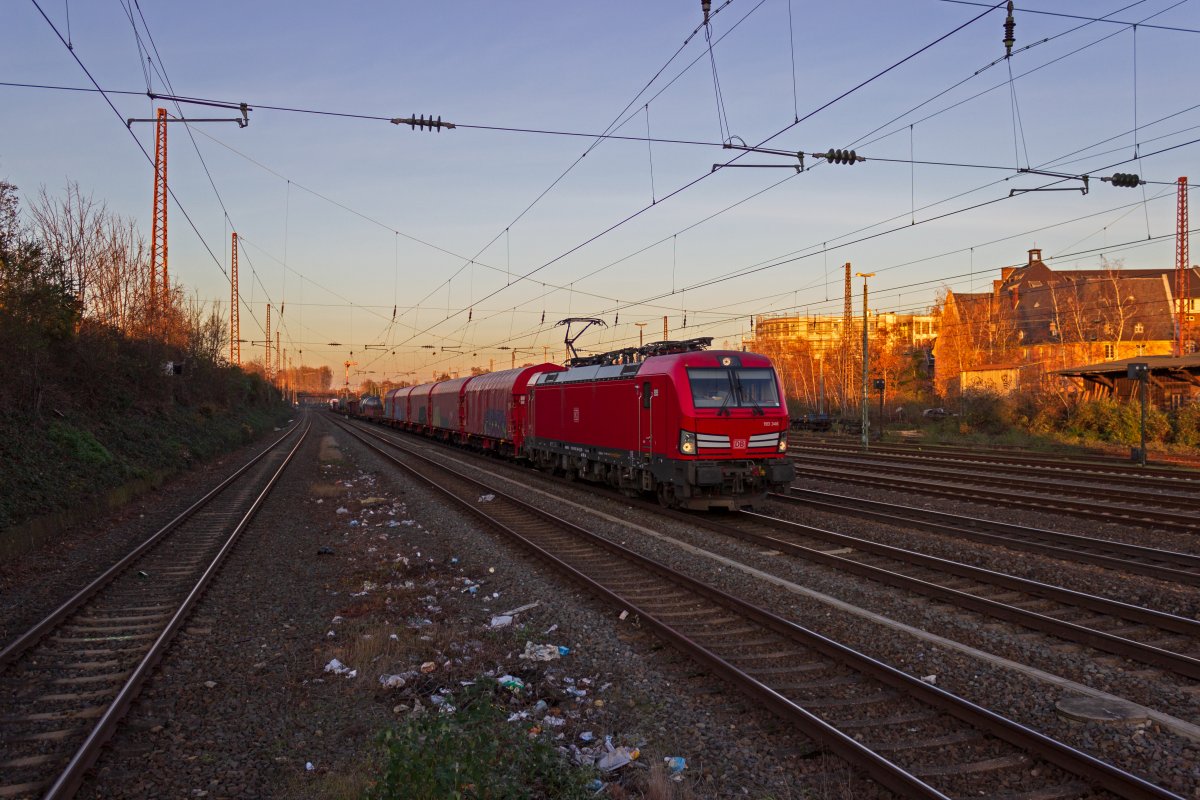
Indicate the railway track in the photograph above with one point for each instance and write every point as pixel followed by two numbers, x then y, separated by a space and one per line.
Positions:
pixel 1177 498
pixel 1166 467
pixel 1105 512
pixel 911 737
pixel 68 680
pixel 1167 565
pixel 1165 641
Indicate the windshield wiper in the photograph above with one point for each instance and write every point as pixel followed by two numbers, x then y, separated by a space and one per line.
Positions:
pixel 724 410
pixel 743 396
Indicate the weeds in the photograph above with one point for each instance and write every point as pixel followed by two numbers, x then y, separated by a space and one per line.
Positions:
pixel 473 753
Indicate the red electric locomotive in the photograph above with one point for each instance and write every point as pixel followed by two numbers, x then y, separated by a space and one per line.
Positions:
pixel 701 429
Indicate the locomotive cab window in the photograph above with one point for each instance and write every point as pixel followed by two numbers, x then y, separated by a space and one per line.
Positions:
pixel 711 388
pixel 733 388
pixel 756 387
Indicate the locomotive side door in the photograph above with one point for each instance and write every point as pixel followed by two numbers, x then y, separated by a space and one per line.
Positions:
pixel 647 396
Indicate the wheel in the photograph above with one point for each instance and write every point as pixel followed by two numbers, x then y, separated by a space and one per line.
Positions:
pixel 666 496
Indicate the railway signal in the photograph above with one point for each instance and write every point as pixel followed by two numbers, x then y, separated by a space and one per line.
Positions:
pixel 1140 372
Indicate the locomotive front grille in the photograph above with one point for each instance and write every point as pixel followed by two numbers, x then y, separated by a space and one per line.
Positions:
pixel 764 440
pixel 712 441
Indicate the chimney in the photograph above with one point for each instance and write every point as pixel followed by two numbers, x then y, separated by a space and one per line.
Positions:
pixel 1006 273
pixel 1035 255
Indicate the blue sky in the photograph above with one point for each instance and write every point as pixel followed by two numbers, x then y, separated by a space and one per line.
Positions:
pixel 343 218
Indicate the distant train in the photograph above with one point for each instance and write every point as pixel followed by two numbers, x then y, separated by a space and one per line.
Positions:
pixel 700 429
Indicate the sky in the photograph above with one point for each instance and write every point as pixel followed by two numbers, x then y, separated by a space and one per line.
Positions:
pixel 416 252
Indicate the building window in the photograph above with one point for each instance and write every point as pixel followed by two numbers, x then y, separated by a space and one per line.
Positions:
pixel 1139 327
pixel 1141 349
pixel 1110 352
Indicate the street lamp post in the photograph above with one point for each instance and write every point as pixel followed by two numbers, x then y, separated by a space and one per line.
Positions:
pixel 866 418
pixel 641 326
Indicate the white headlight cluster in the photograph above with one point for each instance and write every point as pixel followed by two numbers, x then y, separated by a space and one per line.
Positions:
pixel 687 443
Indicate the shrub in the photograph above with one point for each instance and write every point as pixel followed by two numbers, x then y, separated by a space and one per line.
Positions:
pixel 473 752
pixel 1185 426
pixel 79 444
pixel 986 412
pixel 1120 423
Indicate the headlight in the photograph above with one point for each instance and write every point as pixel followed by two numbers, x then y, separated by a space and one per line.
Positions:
pixel 783 442
pixel 687 443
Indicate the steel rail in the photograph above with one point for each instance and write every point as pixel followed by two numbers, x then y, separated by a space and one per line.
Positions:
pixel 1187 523
pixel 71 776
pixel 31 636
pixel 1108 463
pixel 1056 488
pixel 1096 772
pixel 1148 654
pixel 1127 476
pixel 1168 565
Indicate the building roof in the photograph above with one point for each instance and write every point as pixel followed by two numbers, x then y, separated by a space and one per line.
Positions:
pixel 1158 364
pixel 1045 305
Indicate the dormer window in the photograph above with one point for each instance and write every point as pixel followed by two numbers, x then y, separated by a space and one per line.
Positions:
pixel 1139 327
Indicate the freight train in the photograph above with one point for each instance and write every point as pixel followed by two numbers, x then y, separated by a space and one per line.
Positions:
pixel 698 428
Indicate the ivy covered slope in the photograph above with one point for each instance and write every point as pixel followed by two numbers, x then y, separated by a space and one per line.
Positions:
pixel 86 402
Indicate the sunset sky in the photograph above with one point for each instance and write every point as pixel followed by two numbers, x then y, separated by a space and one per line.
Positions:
pixel 473 235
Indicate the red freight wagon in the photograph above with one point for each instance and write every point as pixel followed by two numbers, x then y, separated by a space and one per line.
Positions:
pixel 370 406
pixel 702 429
pixel 496 408
pixel 418 407
pixel 446 407
pixel 395 405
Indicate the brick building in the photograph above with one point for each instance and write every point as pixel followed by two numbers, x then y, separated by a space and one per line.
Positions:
pixel 1039 321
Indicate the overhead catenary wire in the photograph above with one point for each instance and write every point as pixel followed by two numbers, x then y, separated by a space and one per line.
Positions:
pixel 703 176
pixel 505 230
pixel 1174 28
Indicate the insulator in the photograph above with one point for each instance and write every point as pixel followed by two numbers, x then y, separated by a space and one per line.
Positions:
pixel 1009 25
pixel 840 156
pixel 1125 180
pixel 470 314
pixel 543 318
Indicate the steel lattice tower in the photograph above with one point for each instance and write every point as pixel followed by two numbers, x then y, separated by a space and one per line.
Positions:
pixel 1182 288
pixel 267 348
pixel 847 337
pixel 235 317
pixel 158 235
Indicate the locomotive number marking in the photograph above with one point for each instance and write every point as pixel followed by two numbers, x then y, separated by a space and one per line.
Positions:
pixel 576 413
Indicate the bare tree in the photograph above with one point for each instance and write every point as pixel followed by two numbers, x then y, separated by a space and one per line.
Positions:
pixel 104 253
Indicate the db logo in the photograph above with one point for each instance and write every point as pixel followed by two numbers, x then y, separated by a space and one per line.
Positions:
pixel 739 444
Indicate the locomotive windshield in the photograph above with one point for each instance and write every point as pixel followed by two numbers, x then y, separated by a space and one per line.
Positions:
pixel 736 388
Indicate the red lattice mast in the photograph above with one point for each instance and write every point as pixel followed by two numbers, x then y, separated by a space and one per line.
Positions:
pixel 1182 289
pixel 158 234
pixel 267 349
pixel 235 317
